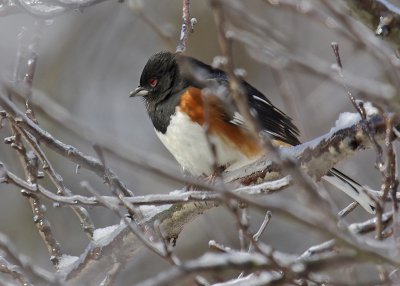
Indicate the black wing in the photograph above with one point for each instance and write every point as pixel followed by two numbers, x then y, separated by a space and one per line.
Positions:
pixel 273 121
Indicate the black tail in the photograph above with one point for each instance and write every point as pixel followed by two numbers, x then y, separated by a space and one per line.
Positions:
pixel 351 188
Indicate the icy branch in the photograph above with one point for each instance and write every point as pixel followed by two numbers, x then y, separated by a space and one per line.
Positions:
pixel 187 26
pixel 45 9
pixel 212 262
pixel 345 139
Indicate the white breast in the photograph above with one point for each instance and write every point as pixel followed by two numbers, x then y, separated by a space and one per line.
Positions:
pixel 187 142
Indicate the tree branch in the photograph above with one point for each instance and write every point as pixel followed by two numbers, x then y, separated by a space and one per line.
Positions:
pixel 381 16
pixel 65 150
pixel 312 154
pixel 26 267
pixel 187 27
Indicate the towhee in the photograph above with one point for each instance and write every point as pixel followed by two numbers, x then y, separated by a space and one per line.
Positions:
pixel 185 97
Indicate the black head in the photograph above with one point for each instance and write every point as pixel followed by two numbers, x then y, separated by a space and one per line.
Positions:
pixel 160 77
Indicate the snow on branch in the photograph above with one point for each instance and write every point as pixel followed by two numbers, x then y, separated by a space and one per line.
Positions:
pixel 45 9
pixel 187 26
pixel 156 221
pixel 316 157
pixel 212 262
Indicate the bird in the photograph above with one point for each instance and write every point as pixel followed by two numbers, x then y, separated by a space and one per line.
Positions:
pixel 194 116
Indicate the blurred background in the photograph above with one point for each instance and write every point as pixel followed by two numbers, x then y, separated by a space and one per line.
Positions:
pixel 90 59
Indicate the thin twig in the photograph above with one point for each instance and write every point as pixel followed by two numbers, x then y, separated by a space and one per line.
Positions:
pixel 213 245
pixel 187 27
pixel 324 247
pixel 133 212
pixel 156 199
pixel 67 151
pixel 260 231
pixel 391 181
pixel 32 271
pixel 370 225
pixel 344 212
pixel 14 272
pixel 313 13
pixel 307 218
pixel 209 262
pixel 82 214
pixel 263 226
pixel 29 162
pixel 28 159
pixel 369 40
pixel 132 225
pixel 32 57
pixel 48 10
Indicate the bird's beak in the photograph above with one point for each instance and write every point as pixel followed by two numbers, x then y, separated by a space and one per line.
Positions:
pixel 139 91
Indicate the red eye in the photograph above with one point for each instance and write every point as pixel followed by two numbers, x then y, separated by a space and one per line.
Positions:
pixel 153 82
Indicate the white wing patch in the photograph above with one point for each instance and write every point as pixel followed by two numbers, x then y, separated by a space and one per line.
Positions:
pixel 272 133
pixel 237 119
pixel 261 99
